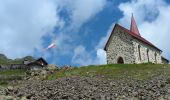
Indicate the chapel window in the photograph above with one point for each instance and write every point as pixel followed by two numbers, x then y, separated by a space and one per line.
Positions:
pixel 155 58
pixel 148 54
pixel 139 52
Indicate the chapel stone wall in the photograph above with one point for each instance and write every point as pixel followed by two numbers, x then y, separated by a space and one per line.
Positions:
pixel 147 53
pixel 120 45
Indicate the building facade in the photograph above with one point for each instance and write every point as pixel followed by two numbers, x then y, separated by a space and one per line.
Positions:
pixel 128 46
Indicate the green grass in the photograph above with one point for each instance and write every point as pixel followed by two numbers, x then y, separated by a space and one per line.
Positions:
pixel 6 76
pixel 13 72
pixel 117 71
pixel 3 83
pixel 4 62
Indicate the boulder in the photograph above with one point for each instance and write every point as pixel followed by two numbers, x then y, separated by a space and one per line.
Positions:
pixel 52 67
pixel 10 88
pixel 4 97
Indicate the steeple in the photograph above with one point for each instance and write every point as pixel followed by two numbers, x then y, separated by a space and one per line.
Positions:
pixel 133 27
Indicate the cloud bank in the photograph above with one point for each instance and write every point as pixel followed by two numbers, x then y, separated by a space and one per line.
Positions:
pixel 23 23
pixel 79 12
pixel 83 57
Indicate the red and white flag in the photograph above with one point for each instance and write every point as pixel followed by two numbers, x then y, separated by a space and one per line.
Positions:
pixel 52 45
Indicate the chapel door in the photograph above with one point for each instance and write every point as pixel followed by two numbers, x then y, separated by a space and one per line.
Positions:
pixel 120 60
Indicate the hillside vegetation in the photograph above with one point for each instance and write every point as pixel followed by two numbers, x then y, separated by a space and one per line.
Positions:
pixel 7 76
pixel 116 71
pixel 6 61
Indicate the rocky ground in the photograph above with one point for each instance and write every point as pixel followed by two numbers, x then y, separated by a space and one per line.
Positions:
pixel 92 88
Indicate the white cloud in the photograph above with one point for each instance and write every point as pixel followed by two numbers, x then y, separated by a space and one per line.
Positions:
pixel 85 9
pixel 101 57
pixel 152 17
pixel 142 10
pixel 84 57
pixel 81 56
pixel 81 11
pixel 23 23
pixel 101 54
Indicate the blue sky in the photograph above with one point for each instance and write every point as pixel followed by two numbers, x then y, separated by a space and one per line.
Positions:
pixel 79 28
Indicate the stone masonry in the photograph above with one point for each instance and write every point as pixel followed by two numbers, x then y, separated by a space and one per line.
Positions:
pixel 121 45
pixel 148 53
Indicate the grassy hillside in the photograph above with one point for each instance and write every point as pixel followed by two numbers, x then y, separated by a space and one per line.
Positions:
pixel 12 72
pixel 117 82
pixel 6 61
pixel 116 71
pixel 113 71
pixel 6 76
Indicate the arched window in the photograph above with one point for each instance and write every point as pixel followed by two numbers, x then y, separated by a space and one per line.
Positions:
pixel 120 60
pixel 148 54
pixel 155 58
pixel 139 52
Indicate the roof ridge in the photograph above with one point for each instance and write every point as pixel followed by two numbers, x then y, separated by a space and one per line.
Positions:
pixel 132 34
pixel 138 37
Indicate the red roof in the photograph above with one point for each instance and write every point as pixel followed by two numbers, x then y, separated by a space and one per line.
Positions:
pixel 165 59
pixel 138 37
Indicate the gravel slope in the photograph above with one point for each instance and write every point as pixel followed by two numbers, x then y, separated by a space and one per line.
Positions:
pixel 94 88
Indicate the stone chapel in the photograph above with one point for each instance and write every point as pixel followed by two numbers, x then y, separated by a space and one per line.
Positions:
pixel 129 47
